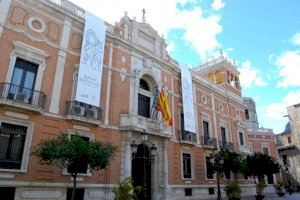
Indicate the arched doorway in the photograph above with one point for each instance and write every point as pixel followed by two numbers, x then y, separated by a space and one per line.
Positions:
pixel 141 171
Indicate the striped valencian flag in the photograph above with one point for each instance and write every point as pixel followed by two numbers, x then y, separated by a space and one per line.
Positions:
pixel 163 107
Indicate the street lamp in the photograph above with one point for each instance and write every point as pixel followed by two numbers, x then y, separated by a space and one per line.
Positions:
pixel 217 162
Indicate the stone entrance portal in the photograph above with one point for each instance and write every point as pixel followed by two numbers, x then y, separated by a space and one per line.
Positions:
pixel 141 171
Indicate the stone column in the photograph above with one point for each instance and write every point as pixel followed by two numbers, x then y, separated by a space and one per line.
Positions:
pixel 4 8
pixel 165 170
pixel 126 155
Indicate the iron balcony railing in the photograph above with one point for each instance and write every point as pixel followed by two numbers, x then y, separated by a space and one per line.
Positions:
pixel 226 145
pixel 187 136
pixel 208 141
pixel 9 91
pixel 75 108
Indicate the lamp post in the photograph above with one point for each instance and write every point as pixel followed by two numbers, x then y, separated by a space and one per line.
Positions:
pixel 153 149
pixel 217 162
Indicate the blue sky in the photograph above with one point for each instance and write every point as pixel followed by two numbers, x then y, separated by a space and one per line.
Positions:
pixel 263 36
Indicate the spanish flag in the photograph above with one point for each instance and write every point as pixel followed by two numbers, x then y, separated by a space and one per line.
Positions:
pixel 163 107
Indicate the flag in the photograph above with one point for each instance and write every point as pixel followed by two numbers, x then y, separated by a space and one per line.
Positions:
pixel 163 107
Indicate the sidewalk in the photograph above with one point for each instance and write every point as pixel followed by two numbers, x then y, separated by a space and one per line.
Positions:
pixel 273 196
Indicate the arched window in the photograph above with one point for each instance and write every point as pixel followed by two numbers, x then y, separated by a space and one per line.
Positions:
pixel 145 93
pixel 247 114
pixel 144 85
pixel 218 77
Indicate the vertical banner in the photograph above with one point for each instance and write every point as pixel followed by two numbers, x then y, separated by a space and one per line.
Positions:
pixel 91 61
pixel 188 101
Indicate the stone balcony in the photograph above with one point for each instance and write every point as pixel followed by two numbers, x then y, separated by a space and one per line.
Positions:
pixel 139 123
pixel 244 149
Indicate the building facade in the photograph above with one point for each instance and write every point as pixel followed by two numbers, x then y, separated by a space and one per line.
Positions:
pixel 288 147
pixel 260 139
pixel 40 45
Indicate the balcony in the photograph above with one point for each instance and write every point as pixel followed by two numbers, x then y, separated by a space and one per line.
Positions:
pixel 187 137
pixel 226 145
pixel 83 113
pixel 208 142
pixel 22 98
pixel 139 123
pixel 244 149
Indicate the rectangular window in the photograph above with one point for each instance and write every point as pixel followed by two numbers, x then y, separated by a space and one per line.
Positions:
pixel 83 169
pixel 144 106
pixel 270 179
pixel 289 140
pixel 284 159
pixel 241 136
pixel 188 192
pixel 266 151
pixel 23 80
pixel 206 132
pixel 7 193
pixel 211 191
pixel 209 168
pixel 12 140
pixel 228 174
pixel 223 135
pixel 79 193
pixel 187 165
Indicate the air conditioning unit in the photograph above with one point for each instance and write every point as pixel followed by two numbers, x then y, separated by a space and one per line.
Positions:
pixel 91 113
pixel 21 97
pixel 77 110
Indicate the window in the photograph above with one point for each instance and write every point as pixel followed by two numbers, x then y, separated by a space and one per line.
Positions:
pixel 12 140
pixel 247 114
pixel 211 191
pixel 241 137
pixel 23 80
pixel 144 106
pixel 289 140
pixel 284 159
pixel 188 192
pixel 228 174
pixel 266 151
pixel 144 99
pixel 144 85
pixel 187 167
pixel 206 132
pixel 79 193
pixel 223 134
pixel 270 179
pixel 83 169
pixel 209 168
pixel 7 193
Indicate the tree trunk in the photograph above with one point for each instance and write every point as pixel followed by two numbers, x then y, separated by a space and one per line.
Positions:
pixel 74 186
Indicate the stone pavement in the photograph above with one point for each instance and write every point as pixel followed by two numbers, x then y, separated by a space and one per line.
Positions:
pixel 273 196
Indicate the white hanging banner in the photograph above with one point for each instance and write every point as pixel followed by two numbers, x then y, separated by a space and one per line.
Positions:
pixel 188 100
pixel 91 61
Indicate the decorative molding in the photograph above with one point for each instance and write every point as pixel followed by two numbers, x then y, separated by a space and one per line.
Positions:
pixel 34 19
pixel 123 74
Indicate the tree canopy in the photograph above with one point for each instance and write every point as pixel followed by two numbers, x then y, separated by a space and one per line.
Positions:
pixel 75 154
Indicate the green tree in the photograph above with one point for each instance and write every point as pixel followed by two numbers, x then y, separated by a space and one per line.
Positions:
pixel 127 191
pixel 233 161
pixel 259 165
pixel 75 154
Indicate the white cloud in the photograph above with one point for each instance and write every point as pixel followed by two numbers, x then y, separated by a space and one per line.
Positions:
pixel 199 31
pixel 277 110
pixel 217 5
pixel 288 65
pixel 271 116
pixel 295 39
pixel 250 76
pixel 170 47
